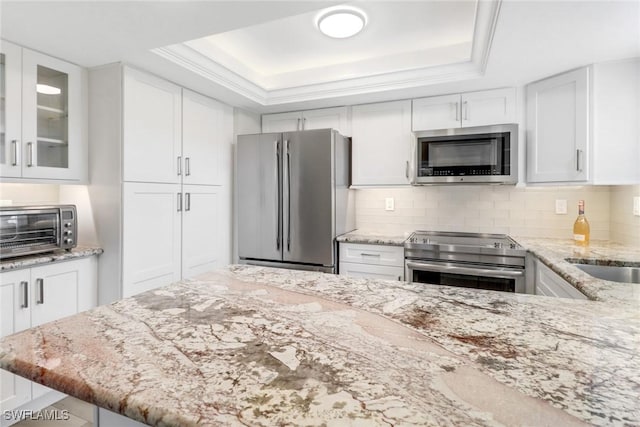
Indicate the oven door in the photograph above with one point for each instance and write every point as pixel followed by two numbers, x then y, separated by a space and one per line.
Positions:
pixel 473 276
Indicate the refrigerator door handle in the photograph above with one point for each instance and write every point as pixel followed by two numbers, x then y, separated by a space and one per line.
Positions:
pixel 278 195
pixel 288 196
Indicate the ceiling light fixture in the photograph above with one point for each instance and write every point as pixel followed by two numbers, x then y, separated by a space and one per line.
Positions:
pixel 47 90
pixel 342 23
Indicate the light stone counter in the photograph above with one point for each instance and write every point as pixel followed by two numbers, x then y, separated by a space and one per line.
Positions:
pixel 373 238
pixel 249 345
pixel 29 261
pixel 554 253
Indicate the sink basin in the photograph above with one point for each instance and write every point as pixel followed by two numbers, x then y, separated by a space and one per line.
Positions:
pixel 613 273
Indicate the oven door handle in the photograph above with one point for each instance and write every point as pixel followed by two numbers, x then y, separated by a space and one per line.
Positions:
pixel 448 268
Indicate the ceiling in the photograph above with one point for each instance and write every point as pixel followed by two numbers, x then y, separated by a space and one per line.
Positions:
pixel 268 56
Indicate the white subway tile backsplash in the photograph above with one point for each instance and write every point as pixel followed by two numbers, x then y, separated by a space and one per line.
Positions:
pixel 488 209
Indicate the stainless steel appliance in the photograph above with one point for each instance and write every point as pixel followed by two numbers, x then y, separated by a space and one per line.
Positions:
pixel 28 230
pixel 292 198
pixel 468 260
pixel 483 154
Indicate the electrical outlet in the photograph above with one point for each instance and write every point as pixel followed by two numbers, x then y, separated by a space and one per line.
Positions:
pixel 561 207
pixel 636 206
pixel 388 204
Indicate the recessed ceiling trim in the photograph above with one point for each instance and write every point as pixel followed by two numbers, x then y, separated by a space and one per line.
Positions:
pixel 484 27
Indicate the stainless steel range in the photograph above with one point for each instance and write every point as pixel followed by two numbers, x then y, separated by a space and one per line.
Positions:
pixel 469 260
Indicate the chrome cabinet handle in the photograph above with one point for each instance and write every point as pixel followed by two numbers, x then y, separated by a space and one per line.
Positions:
pixel 187 202
pixel 179 165
pixel 298 127
pixel 578 154
pixel 25 294
pixel 40 283
pixel 466 110
pixel 304 123
pixel 179 202
pixel 372 255
pixel 187 166
pixel 30 154
pixel 288 196
pixel 14 152
pixel 457 111
pixel 278 195
pixel 406 169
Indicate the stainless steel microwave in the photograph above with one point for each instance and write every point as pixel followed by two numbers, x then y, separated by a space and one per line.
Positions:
pixel 26 230
pixel 483 154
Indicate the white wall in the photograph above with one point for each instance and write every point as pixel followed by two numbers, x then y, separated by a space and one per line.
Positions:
pixel 29 194
pixel 484 208
pixel 625 227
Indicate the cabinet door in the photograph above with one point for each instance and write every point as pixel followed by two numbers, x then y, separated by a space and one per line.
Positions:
pixel 151 236
pixel 550 284
pixel 10 110
pixel 381 143
pixel 152 144
pixel 54 116
pixel 371 271
pixel 558 128
pixel 489 107
pixel 436 112
pixel 327 118
pixel 206 225
pixel 282 122
pixel 207 135
pixel 14 317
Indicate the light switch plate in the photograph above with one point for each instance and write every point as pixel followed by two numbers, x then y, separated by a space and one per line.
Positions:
pixel 388 204
pixel 561 207
pixel 636 206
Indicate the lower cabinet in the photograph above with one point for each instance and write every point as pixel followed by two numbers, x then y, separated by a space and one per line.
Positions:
pixel 548 283
pixel 31 297
pixel 371 261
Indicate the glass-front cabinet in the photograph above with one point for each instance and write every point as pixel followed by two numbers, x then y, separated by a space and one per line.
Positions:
pixel 51 141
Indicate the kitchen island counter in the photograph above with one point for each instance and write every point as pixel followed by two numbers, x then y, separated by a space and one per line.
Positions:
pixel 251 345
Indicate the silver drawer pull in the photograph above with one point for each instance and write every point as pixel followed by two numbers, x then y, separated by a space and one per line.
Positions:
pixel 40 283
pixel 25 294
pixel 366 254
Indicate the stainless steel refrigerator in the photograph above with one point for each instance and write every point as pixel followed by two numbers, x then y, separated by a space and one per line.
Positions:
pixel 293 198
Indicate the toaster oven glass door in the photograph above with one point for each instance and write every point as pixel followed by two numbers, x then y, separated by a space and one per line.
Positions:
pixel 28 231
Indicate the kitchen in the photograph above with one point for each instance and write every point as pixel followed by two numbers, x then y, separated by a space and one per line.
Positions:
pixel 139 118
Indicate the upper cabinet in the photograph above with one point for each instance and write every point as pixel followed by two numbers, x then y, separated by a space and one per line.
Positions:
pixel 381 146
pixel 558 128
pixel 324 118
pixel 582 125
pixel 43 117
pixel 173 135
pixel 487 107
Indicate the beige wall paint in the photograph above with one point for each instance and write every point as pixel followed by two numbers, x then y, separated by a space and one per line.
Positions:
pixel 625 227
pixel 487 209
pixel 29 194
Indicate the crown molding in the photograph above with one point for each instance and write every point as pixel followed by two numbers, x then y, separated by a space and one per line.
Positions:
pixel 486 19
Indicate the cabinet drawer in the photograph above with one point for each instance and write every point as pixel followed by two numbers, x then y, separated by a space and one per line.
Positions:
pixel 550 284
pixel 369 271
pixel 372 254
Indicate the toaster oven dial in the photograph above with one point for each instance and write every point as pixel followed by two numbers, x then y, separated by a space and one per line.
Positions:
pixel 68 241
pixel 67 224
pixel 68 232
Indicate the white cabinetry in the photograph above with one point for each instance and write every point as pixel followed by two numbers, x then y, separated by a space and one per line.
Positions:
pixel 43 117
pixel 381 143
pixel 372 261
pixel 166 216
pixel 550 284
pixel 489 107
pixel 558 128
pixel 31 297
pixel 334 118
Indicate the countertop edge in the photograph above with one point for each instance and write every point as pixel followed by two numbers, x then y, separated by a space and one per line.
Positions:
pixel 49 258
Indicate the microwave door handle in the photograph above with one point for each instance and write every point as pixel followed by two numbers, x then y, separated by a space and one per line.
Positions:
pixel 465 270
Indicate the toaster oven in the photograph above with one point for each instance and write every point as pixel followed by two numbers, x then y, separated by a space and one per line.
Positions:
pixel 26 230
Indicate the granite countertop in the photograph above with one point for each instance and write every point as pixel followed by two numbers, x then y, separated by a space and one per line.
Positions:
pixel 555 252
pixel 374 238
pixel 249 345
pixel 48 257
